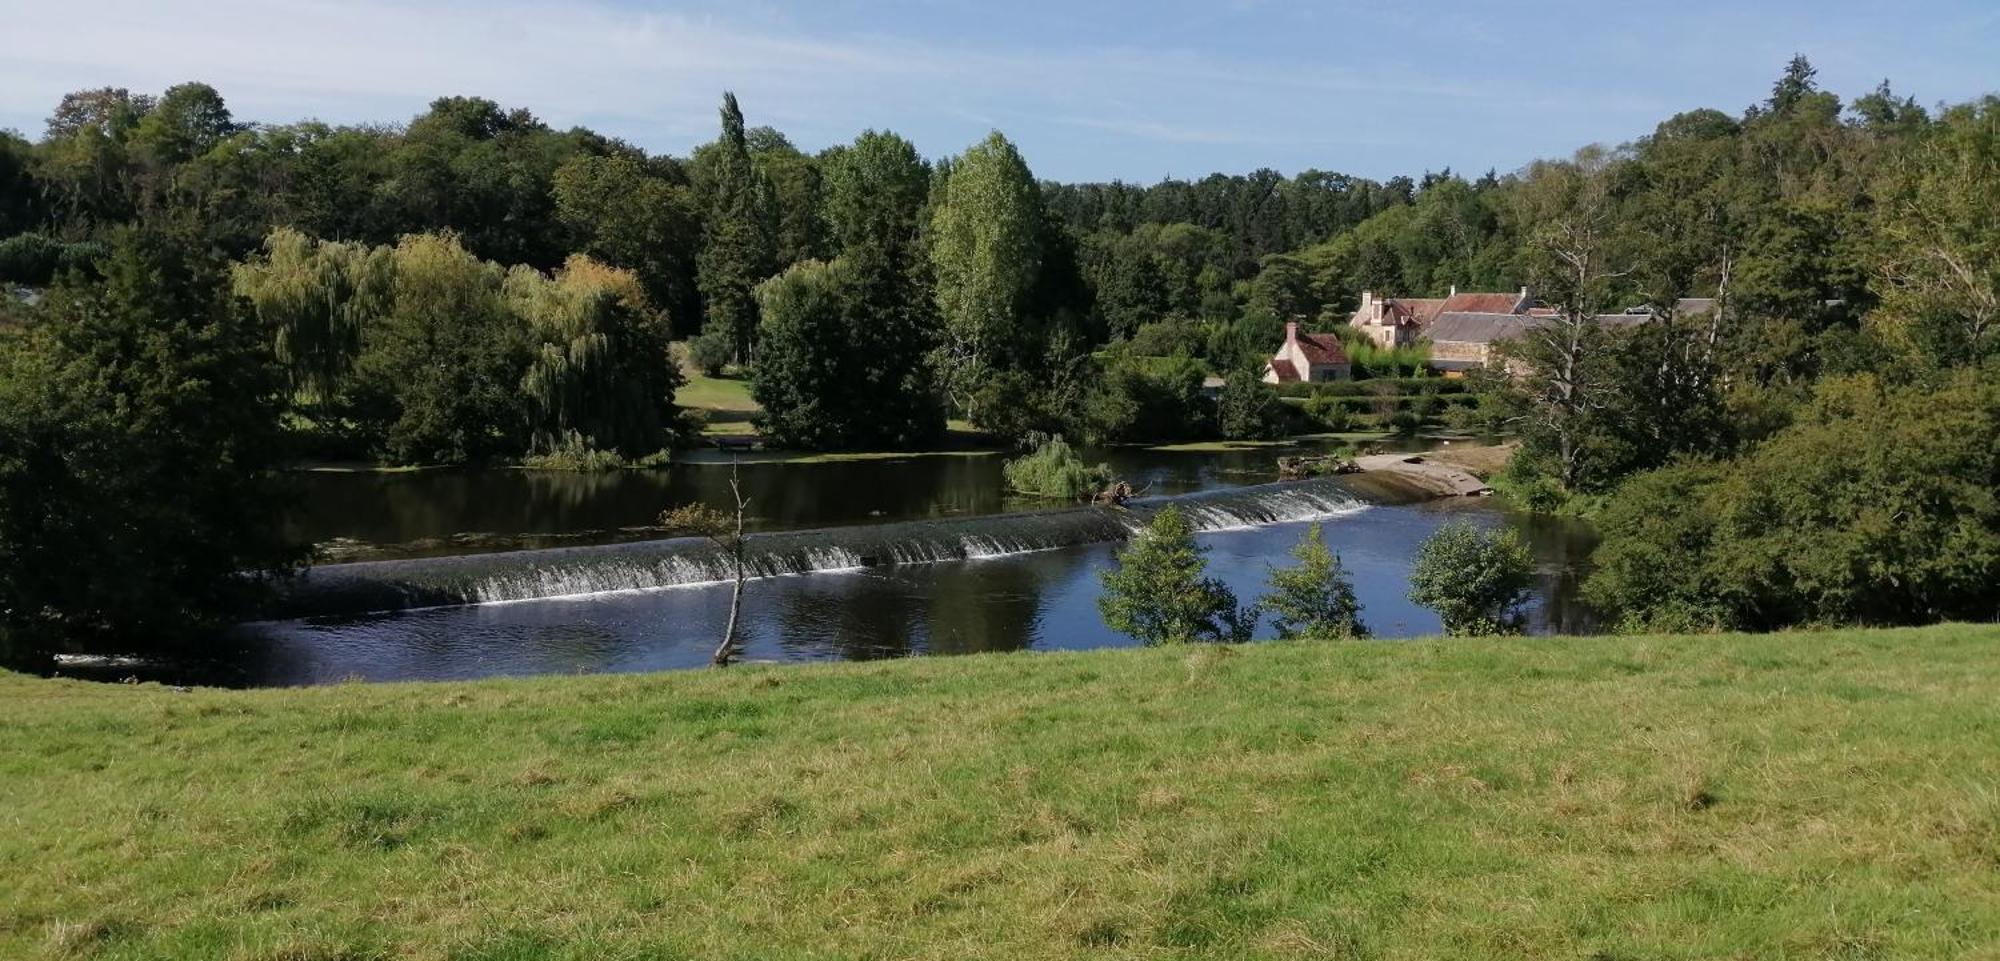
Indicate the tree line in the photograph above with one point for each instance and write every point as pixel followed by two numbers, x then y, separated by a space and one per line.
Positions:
pixel 475 284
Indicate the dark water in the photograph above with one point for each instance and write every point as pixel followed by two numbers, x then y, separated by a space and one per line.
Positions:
pixel 363 515
pixel 928 568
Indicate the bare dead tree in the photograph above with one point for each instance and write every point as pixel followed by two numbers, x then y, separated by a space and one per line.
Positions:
pixel 725 531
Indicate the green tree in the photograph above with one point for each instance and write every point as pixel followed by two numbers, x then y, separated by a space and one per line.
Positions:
pixel 841 358
pixel 1877 506
pixel 1158 591
pixel 600 369
pixel 1249 408
pixel 1314 598
pixel 628 214
pixel 138 452
pixel 1475 580
pixel 738 248
pixel 875 189
pixel 442 370
pixel 317 298
pixel 986 248
pixel 1941 256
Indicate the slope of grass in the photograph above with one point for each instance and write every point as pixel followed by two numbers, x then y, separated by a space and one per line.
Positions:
pixel 1827 795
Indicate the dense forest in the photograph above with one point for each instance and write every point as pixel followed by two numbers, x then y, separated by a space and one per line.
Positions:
pixel 475 285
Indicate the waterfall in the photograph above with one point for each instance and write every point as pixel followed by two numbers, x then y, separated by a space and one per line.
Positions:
pixel 377 586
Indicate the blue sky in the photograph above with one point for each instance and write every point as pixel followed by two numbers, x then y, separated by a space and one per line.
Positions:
pixel 1090 91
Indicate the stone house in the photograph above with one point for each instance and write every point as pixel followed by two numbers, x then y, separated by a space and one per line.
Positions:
pixel 1307 358
pixel 1402 321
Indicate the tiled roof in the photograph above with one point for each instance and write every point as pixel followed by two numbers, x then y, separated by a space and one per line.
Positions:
pixel 1475 303
pixel 1322 349
pixel 1287 372
pixel 1486 328
pixel 1478 328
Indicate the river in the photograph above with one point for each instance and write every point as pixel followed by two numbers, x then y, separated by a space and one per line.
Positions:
pixel 868 558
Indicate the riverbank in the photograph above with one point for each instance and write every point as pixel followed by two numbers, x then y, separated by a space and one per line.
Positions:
pixel 1804 795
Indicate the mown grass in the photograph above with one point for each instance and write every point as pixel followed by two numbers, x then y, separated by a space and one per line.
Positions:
pixel 1827 795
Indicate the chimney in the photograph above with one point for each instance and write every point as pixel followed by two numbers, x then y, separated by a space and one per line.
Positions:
pixel 1291 332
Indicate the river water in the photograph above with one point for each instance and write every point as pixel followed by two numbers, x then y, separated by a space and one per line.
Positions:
pixel 519 573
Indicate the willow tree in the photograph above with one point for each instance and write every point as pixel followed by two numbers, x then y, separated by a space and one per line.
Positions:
pixel 600 375
pixel 318 297
pixel 986 255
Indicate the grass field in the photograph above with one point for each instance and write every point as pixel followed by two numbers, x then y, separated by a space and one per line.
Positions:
pixel 1797 796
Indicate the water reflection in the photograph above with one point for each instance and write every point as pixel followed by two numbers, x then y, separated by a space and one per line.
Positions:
pixel 436 512
pixel 1044 600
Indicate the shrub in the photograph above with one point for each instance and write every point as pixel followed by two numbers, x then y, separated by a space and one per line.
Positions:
pixel 575 453
pixel 1475 580
pixel 1158 594
pixel 1877 507
pixel 1054 470
pixel 711 350
pixel 1314 599
pixel 29 259
pixel 1327 413
pixel 1249 409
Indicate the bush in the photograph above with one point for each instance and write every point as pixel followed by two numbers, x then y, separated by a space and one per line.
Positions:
pixel 1249 409
pixel 1327 413
pixel 1158 594
pixel 1314 599
pixel 575 453
pixel 1054 470
pixel 1475 580
pixel 711 350
pixel 1877 507
pixel 29 259
pixel 1149 400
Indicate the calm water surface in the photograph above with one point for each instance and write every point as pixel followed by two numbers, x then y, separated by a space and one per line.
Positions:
pixel 1039 600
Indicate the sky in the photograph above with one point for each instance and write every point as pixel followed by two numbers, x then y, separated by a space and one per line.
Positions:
pixel 1127 90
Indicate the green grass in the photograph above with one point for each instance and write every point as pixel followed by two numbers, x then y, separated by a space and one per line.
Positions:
pixel 1796 796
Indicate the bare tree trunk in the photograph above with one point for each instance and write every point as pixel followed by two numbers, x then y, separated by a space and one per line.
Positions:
pixel 727 651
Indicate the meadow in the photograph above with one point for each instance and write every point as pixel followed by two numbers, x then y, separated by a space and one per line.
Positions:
pixel 1811 795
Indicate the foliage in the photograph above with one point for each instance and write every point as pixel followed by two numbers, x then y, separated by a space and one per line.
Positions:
pixel 441 372
pixel 1476 580
pixel 1137 399
pixel 739 247
pixel 1249 408
pixel 574 452
pixel 1158 593
pixel 1054 470
pixel 138 441
pixel 841 363
pixel 600 364
pixel 1877 507
pixel 986 252
pixel 1314 598
pixel 711 350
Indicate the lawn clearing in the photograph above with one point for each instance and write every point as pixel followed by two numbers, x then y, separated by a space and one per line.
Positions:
pixel 1829 795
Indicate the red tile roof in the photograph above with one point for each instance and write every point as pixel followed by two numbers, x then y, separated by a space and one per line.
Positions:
pixel 1473 303
pixel 1322 349
pixel 1287 373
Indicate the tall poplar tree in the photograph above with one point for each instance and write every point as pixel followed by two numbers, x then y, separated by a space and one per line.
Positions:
pixel 737 245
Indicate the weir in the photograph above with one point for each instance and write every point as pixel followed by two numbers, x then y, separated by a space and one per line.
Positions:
pixel 381 586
